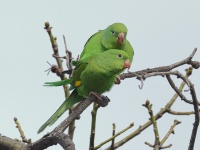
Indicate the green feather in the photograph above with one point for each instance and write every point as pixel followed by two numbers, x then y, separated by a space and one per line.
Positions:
pixel 69 102
pixel 58 83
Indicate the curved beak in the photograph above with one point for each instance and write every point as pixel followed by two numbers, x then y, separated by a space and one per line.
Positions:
pixel 120 38
pixel 127 64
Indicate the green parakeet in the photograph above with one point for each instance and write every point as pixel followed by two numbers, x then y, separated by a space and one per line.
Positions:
pixel 96 74
pixel 113 37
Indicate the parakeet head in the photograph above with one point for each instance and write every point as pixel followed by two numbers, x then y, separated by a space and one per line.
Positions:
pixel 114 36
pixel 114 61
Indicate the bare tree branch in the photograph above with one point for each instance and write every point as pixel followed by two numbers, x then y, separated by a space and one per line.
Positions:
pixel 188 60
pixel 75 113
pixel 181 113
pixel 57 69
pixel 177 90
pixel 52 139
pixel 148 123
pixel 196 122
pixel 7 143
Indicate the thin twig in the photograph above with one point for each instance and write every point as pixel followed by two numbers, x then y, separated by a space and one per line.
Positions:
pixel 93 125
pixel 196 122
pixel 168 146
pixel 171 130
pixel 71 129
pixel 153 120
pixel 113 137
pixel 149 144
pixel 177 90
pixel 68 56
pixel 18 126
pixel 56 56
pixel 181 113
pixel 54 44
pixel 113 134
pixel 176 73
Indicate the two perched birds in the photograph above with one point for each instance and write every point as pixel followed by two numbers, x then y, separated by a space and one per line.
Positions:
pixel 105 55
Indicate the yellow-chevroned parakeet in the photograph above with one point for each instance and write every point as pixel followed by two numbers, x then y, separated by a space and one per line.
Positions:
pixel 113 37
pixel 96 74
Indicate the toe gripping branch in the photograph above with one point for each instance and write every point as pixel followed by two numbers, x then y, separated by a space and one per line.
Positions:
pixel 101 100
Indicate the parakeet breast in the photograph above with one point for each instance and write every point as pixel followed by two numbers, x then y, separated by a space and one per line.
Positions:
pixel 96 81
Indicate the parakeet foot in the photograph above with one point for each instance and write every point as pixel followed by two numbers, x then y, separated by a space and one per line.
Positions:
pixel 117 80
pixel 105 99
pixel 100 99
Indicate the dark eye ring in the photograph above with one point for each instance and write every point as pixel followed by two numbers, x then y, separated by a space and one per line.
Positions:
pixel 120 55
pixel 113 32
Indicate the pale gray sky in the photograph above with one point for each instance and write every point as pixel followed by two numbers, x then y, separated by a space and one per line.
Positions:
pixel 161 32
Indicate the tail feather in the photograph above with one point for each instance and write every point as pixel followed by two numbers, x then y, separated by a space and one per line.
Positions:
pixel 68 103
pixel 58 83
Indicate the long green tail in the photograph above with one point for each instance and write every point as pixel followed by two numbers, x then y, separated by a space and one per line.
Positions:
pixel 58 83
pixel 69 102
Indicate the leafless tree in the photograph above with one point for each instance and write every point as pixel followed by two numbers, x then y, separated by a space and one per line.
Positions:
pixel 57 136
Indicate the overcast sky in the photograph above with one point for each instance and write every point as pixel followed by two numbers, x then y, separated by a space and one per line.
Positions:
pixel 161 32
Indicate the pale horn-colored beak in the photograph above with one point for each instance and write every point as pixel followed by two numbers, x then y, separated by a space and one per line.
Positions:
pixel 120 38
pixel 127 64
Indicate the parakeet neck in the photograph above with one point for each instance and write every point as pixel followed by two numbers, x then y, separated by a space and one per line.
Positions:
pixel 109 68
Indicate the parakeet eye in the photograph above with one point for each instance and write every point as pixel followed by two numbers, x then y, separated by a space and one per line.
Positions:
pixel 113 32
pixel 120 55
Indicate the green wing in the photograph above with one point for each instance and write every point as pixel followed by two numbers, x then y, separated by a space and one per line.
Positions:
pixel 129 50
pixel 93 45
pixel 58 83
pixel 92 37
pixel 68 103
pixel 89 46
pixel 80 67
